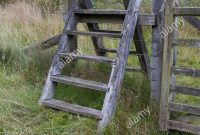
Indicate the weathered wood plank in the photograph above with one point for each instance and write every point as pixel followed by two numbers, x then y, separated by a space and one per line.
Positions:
pixel 64 45
pixel 186 71
pixel 186 90
pixel 113 50
pixel 175 125
pixel 187 11
pixel 157 51
pixel 95 34
pixel 144 19
pixel 51 42
pixel 193 43
pixel 166 67
pixel 178 107
pixel 118 70
pixel 194 21
pixel 101 59
pixel 101 11
pixel 131 69
pixel 188 118
pixel 80 82
pixel 72 108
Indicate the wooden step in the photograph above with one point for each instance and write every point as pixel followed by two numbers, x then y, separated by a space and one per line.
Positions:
pixel 101 11
pixel 179 107
pixel 185 90
pixel 193 43
pixel 100 59
pixel 186 71
pixel 72 108
pixel 187 11
pixel 111 16
pixel 80 82
pixel 95 34
pixel 113 50
pixel 175 125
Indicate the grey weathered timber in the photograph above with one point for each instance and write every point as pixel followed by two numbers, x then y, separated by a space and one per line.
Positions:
pixel 131 69
pixel 144 19
pixel 166 67
pixel 188 118
pixel 186 90
pixel 183 127
pixel 112 50
pixel 187 11
pixel 118 70
pixel 80 82
pixel 194 21
pixel 193 43
pixel 61 105
pixel 178 107
pixel 97 41
pixel 70 24
pixel 51 42
pixel 140 46
pixel 157 50
pixel 94 34
pixel 100 59
pixel 141 49
pixel 101 11
pixel 186 71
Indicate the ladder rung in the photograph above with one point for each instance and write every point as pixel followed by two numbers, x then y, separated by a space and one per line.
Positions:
pixel 187 11
pixel 100 59
pixel 80 82
pixel 194 43
pixel 175 125
pixel 72 108
pixel 113 50
pixel 101 11
pixel 186 71
pixel 178 107
pixel 95 34
pixel 185 90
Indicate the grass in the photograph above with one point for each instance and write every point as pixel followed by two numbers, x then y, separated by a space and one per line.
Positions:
pixel 22 78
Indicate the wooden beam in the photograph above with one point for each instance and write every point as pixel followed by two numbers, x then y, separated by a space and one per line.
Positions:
pixel 186 72
pixel 144 19
pixel 193 43
pixel 194 21
pixel 157 51
pixel 186 11
pixel 175 125
pixel 166 67
pixel 178 107
pixel 185 90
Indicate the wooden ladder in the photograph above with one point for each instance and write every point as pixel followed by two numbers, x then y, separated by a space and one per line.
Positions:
pixel 169 72
pixel 81 11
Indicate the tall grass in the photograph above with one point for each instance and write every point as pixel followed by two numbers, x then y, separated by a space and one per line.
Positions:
pixel 24 23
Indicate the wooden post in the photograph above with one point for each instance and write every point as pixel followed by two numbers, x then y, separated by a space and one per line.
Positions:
pixel 166 69
pixel 157 50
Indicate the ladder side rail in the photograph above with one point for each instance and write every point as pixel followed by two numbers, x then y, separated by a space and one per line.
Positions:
pixel 55 69
pixel 166 68
pixel 140 46
pixel 118 70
